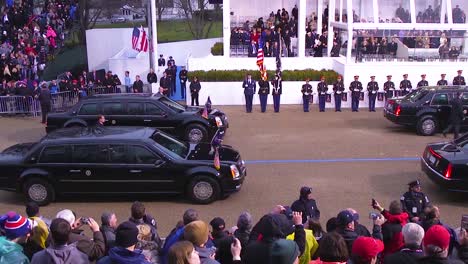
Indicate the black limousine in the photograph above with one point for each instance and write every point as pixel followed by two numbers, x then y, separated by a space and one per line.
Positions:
pixel 118 161
pixel 149 110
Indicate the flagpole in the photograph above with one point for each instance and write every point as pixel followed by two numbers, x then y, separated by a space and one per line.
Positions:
pixel 152 28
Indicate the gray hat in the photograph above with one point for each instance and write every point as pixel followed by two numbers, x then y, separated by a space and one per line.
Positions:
pixel 244 222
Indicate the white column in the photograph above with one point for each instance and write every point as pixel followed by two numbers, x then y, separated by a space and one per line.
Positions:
pixel 449 11
pixel 376 11
pixel 349 12
pixel 413 11
pixel 331 18
pixel 227 28
pixel 301 28
pixel 443 11
pixel 319 16
pixel 340 11
pixel 154 34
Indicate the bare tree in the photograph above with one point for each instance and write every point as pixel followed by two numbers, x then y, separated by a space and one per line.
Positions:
pixel 196 16
pixel 90 11
pixel 160 7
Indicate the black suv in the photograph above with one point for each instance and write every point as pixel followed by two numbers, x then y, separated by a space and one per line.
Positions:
pixel 118 161
pixel 426 109
pixel 150 110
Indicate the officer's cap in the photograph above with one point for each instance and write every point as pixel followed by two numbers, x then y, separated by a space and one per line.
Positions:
pixel 305 190
pixel 170 57
pixel 423 75
pixel 414 183
pixel 443 74
pixel 405 75
pixel 460 71
pixel 372 77
pixel 356 76
pixel 160 55
pixel 389 76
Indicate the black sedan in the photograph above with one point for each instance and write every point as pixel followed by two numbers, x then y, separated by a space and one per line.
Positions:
pixel 446 164
pixel 119 161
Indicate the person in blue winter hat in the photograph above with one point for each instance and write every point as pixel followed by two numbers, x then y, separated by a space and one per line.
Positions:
pixel 17 230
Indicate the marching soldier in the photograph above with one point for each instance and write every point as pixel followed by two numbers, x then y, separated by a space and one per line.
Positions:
pixel 322 89
pixel 355 87
pixel 423 81
pixel 249 91
pixel 338 89
pixel 459 79
pixel 372 89
pixel 263 91
pixel 405 85
pixel 277 91
pixel 389 87
pixel 414 201
pixel 306 95
pixel 442 81
pixel 183 80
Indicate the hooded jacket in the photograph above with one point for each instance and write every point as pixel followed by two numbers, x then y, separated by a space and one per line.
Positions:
pixel 67 254
pixel 119 255
pixel 391 231
pixel 11 252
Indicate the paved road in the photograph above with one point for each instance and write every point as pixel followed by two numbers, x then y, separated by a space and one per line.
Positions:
pixel 348 158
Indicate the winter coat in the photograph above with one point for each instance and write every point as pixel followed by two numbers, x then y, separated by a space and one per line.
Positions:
pixel 119 255
pixel 391 231
pixel 308 208
pixel 205 255
pixel 67 254
pixel 11 252
pixel 95 248
pixel 311 246
pixel 109 236
pixel 404 256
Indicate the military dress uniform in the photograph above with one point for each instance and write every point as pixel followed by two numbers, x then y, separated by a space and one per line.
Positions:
pixel 405 86
pixel 372 89
pixel 277 91
pixel 249 90
pixel 389 87
pixel 161 62
pixel 183 81
pixel 442 81
pixel 170 78
pixel 422 82
pixel 306 95
pixel 414 202
pixel 263 92
pixel 355 87
pixel 459 80
pixel 322 89
pixel 338 89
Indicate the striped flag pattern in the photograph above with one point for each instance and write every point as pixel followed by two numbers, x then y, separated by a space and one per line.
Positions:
pixel 135 38
pixel 217 163
pixel 260 59
pixel 143 41
pixel 139 39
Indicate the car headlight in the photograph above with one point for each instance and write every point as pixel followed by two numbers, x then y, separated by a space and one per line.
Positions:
pixel 219 123
pixel 234 172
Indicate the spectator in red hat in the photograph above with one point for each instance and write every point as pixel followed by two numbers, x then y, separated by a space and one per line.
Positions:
pixel 17 230
pixel 435 246
pixel 365 250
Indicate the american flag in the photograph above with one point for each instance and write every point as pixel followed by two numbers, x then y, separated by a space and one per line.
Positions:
pixel 205 113
pixel 260 58
pixel 143 41
pixel 216 161
pixel 135 38
pixel 139 39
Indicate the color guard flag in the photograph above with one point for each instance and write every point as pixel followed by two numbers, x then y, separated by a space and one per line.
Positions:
pixel 143 41
pixel 139 39
pixel 135 38
pixel 205 113
pixel 217 163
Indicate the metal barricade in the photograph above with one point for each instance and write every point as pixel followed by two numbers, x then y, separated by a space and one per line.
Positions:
pixel 10 105
pixel 62 101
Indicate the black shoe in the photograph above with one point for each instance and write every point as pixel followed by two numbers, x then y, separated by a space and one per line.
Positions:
pixel 443 133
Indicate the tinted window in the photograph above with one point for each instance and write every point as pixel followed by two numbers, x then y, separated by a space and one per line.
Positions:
pixel 118 154
pixel 54 154
pixel 88 109
pixel 440 99
pixel 135 109
pixel 113 108
pixel 152 109
pixel 89 154
pixel 465 98
pixel 141 155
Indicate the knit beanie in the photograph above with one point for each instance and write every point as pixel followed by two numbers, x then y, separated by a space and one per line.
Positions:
pixel 126 234
pixel 15 225
pixel 197 232
pixel 284 251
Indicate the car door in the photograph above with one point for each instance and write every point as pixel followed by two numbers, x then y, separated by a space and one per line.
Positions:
pixel 465 107
pixel 136 114
pixel 55 159
pixel 114 112
pixel 440 102
pixel 155 116
pixel 89 112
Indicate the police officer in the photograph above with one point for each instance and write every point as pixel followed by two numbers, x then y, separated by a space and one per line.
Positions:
pixel 306 204
pixel 249 91
pixel 263 92
pixel 338 89
pixel 322 89
pixel 161 62
pixel 442 81
pixel 372 89
pixel 459 79
pixel 414 201
pixel 423 81
pixel 355 87
pixel 405 85
pixel 277 84
pixel 195 88
pixel 388 87
pixel 183 80
pixel 306 95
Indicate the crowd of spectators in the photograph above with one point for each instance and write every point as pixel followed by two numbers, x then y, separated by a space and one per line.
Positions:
pixel 284 235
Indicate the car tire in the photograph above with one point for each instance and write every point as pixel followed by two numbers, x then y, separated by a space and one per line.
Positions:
pixel 203 190
pixel 427 125
pixel 195 133
pixel 39 191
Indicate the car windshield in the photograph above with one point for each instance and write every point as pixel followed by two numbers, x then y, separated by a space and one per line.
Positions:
pixel 172 104
pixel 416 95
pixel 173 145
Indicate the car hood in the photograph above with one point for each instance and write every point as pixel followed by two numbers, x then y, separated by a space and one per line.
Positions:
pixel 15 153
pixel 204 151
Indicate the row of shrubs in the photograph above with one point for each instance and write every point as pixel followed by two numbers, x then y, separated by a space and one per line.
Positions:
pixel 239 75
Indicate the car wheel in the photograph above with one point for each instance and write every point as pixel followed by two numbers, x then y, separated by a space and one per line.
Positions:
pixel 39 191
pixel 427 126
pixel 203 190
pixel 195 133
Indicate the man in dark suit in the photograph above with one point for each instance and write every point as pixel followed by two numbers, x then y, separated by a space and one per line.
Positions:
pixel 459 79
pixel 165 83
pixel 138 85
pixel 45 99
pixel 442 81
pixel 457 115
pixel 152 77
pixel 405 85
pixel 249 90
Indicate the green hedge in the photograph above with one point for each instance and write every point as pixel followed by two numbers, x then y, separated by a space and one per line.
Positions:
pixel 217 49
pixel 239 75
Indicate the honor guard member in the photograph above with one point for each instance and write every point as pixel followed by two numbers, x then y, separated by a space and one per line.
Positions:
pixel 423 81
pixel 277 84
pixel 170 78
pixel 183 80
pixel 388 87
pixel 171 61
pixel 306 95
pixel 263 92
pixel 442 81
pixel 338 89
pixel 322 89
pixel 414 201
pixel 249 91
pixel 372 89
pixel 161 62
pixel 405 85
pixel 355 87
pixel 459 79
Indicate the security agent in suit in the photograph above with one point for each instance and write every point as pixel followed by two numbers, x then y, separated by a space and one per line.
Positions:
pixel 372 89
pixel 171 61
pixel 45 99
pixel 263 92
pixel 388 87
pixel 442 81
pixel 459 79
pixel 355 87
pixel 170 78
pixel 322 89
pixel 423 81
pixel 249 90
pixel 165 84
pixel 405 85
pixel 306 95
pixel 338 89
pixel 457 114
pixel 414 201
pixel 183 80
pixel 277 84
pixel 161 62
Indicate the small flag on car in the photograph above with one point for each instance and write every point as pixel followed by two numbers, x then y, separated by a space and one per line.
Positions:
pixel 208 104
pixel 205 113
pixel 217 163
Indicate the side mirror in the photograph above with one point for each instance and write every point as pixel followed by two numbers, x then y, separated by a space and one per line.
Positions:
pixel 159 163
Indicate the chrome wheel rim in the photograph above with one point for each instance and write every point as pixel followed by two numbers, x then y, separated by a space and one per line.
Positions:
pixel 195 135
pixel 203 190
pixel 428 126
pixel 37 192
